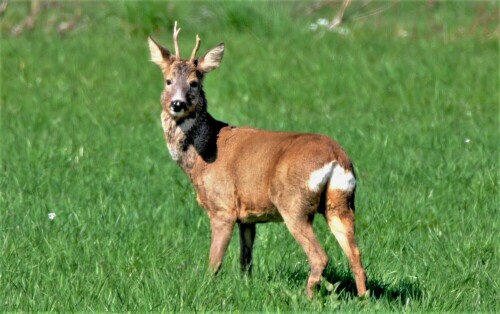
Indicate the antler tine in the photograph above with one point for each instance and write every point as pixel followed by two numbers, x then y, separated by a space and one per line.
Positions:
pixel 176 43
pixel 196 47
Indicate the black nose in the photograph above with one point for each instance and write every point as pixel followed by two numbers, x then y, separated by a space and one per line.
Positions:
pixel 177 105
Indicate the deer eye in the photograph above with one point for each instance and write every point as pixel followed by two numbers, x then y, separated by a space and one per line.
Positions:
pixel 169 82
pixel 193 84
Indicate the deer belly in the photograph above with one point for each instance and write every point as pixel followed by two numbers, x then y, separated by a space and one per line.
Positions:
pixel 259 216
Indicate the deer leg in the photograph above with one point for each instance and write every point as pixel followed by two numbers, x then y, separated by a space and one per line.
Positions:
pixel 302 231
pixel 247 237
pixel 340 219
pixel 221 235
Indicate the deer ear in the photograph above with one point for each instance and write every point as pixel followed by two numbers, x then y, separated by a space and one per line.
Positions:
pixel 211 60
pixel 159 54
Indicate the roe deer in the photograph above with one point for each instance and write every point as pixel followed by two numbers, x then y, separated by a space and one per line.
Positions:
pixel 247 176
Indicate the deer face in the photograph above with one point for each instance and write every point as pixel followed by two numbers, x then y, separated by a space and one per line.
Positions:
pixel 183 94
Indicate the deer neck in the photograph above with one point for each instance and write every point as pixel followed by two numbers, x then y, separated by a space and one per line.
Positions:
pixel 192 139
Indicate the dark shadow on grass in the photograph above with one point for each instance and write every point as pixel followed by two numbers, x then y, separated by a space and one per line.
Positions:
pixel 346 286
pixel 400 291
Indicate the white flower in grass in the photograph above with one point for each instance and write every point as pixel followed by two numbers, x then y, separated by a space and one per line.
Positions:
pixel 319 23
pixel 467 140
pixel 52 216
pixel 322 22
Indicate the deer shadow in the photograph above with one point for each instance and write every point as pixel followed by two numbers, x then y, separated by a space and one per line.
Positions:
pixel 345 286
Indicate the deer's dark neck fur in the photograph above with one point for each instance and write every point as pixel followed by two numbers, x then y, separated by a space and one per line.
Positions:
pixel 192 137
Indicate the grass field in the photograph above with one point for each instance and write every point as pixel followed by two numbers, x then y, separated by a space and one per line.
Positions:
pixel 411 92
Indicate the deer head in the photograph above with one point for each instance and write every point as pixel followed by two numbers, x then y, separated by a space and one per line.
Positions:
pixel 183 95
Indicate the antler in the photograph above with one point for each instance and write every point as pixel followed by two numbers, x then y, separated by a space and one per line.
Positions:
pixel 196 47
pixel 176 44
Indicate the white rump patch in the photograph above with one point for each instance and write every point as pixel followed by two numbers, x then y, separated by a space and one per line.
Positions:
pixel 318 178
pixel 342 179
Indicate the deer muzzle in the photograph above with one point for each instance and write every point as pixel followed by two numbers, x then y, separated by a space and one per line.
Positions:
pixel 178 106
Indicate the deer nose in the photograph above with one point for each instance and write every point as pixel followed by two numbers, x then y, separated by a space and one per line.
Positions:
pixel 178 105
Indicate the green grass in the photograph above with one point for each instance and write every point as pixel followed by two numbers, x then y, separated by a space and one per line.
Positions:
pixel 412 93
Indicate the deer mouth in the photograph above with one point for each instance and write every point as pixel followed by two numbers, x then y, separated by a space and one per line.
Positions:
pixel 180 111
pixel 176 113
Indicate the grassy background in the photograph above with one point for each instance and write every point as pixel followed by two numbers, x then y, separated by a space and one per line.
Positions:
pixel 411 92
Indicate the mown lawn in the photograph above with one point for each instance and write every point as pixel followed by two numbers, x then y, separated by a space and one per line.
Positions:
pixel 410 89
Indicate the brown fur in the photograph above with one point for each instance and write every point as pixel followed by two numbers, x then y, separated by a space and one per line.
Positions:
pixel 246 176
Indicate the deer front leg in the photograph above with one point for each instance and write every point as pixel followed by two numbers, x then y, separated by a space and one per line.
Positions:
pixel 247 237
pixel 221 235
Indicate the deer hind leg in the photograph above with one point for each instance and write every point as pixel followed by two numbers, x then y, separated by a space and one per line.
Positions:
pixel 247 237
pixel 340 218
pixel 302 231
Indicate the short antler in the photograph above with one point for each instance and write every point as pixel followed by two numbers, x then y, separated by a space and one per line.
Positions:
pixel 196 47
pixel 176 43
